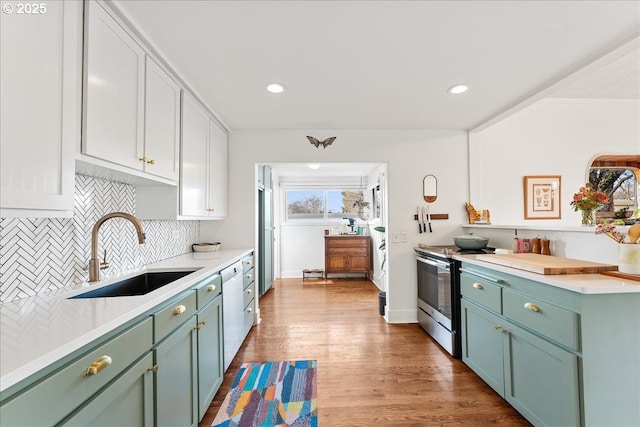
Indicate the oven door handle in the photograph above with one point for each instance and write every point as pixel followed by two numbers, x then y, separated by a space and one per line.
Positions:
pixel 438 264
pixel 482 276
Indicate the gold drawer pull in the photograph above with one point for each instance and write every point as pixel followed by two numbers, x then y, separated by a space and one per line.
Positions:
pixel 211 288
pixel 154 368
pixel 97 366
pixel 478 286
pixel 142 159
pixel 532 307
pixel 151 162
pixel 179 309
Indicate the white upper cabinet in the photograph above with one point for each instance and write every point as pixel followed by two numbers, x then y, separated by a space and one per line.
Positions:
pixel 217 190
pixel 193 172
pixel 132 106
pixel 162 123
pixel 41 64
pixel 203 177
pixel 114 92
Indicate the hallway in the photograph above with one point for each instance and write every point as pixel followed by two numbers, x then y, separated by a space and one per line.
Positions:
pixel 370 373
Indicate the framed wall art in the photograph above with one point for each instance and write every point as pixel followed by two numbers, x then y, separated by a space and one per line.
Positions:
pixel 542 197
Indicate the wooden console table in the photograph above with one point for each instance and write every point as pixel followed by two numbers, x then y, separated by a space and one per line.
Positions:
pixel 347 254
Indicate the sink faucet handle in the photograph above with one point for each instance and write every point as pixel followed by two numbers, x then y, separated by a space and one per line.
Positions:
pixel 104 264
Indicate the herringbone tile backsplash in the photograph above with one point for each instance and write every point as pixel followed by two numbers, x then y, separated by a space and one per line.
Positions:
pixel 42 254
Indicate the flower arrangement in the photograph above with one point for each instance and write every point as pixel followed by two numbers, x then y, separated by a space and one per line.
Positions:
pixel 587 200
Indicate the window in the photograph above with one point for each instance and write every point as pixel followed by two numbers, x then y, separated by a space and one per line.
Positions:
pixel 325 204
pixel 620 185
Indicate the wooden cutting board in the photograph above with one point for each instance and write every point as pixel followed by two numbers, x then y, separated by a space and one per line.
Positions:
pixel 546 264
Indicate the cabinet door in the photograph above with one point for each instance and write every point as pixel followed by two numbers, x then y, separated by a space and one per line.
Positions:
pixel 162 123
pixel 482 345
pixel 541 379
pixel 210 369
pixel 336 263
pixel 114 92
pixel 126 402
pixel 193 167
pixel 358 262
pixel 217 170
pixel 176 381
pixel 40 75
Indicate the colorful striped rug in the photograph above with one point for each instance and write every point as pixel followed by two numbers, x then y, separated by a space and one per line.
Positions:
pixel 271 394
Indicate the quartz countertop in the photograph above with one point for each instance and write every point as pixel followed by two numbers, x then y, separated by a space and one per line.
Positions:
pixel 37 331
pixel 581 283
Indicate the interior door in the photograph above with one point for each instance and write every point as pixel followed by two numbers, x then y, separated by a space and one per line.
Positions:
pixel 265 227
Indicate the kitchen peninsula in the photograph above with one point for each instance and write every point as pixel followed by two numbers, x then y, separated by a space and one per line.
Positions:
pixel 561 349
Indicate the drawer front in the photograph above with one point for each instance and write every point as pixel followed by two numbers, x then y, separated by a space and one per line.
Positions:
pixel 208 289
pixel 173 315
pixel 247 295
pixel 482 292
pixel 59 394
pixel 546 319
pixel 248 317
pixel 348 251
pixel 247 278
pixel 345 242
pixel 247 263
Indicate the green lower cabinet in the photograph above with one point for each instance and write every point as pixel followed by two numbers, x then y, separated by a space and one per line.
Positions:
pixel 537 378
pixel 482 345
pixel 210 354
pixel 175 378
pixel 126 402
pixel 541 379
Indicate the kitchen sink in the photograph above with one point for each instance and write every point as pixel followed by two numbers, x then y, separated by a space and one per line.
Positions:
pixel 137 285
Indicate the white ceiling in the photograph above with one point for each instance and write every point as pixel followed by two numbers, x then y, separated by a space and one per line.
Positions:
pixel 380 64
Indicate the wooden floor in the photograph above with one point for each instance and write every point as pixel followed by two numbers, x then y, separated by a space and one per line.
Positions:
pixel 370 373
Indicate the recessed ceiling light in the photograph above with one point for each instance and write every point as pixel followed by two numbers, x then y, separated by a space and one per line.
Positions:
pixel 314 166
pixel 276 88
pixel 458 89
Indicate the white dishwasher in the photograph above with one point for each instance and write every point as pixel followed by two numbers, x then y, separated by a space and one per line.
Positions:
pixel 232 311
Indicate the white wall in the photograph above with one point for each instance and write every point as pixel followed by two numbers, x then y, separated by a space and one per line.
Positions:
pixel 550 137
pixel 409 155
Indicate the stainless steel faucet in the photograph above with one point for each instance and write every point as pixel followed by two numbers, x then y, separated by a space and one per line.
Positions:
pixel 94 262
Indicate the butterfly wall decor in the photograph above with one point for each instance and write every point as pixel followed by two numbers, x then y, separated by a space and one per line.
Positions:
pixel 315 141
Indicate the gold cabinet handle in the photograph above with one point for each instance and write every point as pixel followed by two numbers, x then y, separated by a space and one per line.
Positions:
pixel 151 162
pixel 97 366
pixel 154 368
pixel 478 286
pixel 200 324
pixel 179 309
pixel 532 307
pixel 210 209
pixel 142 159
pixel 496 327
pixel 211 288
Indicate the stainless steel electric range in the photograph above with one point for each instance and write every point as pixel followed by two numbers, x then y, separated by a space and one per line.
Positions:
pixel 439 294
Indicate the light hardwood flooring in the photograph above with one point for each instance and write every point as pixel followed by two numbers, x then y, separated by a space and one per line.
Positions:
pixel 370 373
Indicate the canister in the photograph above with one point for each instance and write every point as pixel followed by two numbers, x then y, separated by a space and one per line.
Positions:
pixel 629 258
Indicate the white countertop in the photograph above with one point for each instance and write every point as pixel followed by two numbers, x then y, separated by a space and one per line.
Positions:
pixel 581 283
pixel 39 330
